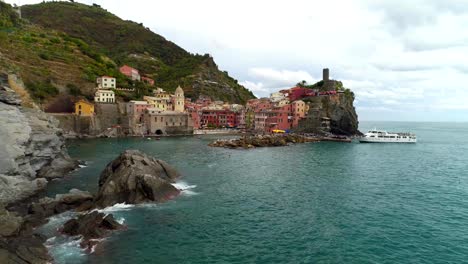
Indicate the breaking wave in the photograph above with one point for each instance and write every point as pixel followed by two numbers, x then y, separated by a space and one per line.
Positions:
pixel 185 188
pixel 117 207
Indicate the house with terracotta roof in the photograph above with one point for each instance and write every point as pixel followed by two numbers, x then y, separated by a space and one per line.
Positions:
pixel 130 72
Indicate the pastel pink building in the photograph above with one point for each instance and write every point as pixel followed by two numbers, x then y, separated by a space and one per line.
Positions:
pixel 130 72
pixel 136 109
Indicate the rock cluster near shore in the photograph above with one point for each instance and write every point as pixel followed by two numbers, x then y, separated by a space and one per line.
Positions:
pixel 91 227
pixel 32 153
pixel 255 141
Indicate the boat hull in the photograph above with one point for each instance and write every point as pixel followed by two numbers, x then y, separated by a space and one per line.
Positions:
pixel 387 140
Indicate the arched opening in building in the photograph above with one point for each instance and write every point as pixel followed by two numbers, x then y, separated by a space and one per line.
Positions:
pixel 159 132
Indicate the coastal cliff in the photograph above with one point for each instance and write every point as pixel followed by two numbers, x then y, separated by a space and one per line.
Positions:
pixel 335 114
pixel 32 149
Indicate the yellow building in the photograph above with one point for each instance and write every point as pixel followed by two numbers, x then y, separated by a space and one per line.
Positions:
pixel 84 108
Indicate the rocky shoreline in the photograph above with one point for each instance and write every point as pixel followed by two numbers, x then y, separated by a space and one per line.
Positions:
pixel 132 178
pixel 33 152
pixel 274 140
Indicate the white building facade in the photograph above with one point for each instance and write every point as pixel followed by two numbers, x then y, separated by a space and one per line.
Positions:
pixel 104 96
pixel 106 82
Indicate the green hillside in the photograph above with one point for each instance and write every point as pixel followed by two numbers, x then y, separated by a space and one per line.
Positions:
pixel 127 42
pixel 51 63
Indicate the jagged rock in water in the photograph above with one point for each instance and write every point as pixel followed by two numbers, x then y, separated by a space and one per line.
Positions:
pixel 74 199
pixel 91 226
pixel 135 177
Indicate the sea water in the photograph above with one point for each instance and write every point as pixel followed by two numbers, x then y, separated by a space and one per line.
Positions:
pixel 307 203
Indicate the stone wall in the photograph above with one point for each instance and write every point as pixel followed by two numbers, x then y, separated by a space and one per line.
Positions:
pixel 73 125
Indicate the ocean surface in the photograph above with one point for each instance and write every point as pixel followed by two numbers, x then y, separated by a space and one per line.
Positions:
pixel 307 203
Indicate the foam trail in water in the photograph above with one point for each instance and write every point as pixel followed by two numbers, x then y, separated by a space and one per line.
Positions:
pixel 63 249
pixel 185 188
pixel 117 207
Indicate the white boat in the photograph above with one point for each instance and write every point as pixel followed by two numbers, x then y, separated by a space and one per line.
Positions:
pixel 382 136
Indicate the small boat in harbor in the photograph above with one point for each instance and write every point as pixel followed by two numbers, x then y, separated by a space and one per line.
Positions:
pixel 382 136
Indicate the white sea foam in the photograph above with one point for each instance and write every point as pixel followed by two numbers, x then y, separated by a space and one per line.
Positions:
pixel 181 185
pixel 185 188
pixel 82 166
pixel 117 207
pixel 121 220
pixel 93 248
pixel 64 248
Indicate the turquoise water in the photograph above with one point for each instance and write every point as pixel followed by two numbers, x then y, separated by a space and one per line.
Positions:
pixel 309 203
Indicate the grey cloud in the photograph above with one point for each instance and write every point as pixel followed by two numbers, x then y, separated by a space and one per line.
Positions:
pixel 404 68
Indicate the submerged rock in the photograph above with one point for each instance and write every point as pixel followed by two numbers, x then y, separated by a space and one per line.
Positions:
pixel 135 177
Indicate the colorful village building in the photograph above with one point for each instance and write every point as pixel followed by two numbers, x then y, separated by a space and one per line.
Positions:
pixel 84 108
pixel 106 82
pixel 130 72
pixel 104 96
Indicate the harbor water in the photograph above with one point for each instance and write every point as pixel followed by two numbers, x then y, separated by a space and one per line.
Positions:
pixel 321 202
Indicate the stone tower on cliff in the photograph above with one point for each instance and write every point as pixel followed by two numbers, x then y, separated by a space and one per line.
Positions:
pixel 326 75
pixel 179 100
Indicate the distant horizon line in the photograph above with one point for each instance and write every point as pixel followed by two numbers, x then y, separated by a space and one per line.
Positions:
pixel 406 121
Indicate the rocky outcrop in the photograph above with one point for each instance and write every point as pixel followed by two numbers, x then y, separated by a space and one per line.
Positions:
pixel 24 250
pixel 91 227
pixel 46 207
pixel 338 111
pixel 17 243
pixel 32 148
pixel 135 177
pixel 247 142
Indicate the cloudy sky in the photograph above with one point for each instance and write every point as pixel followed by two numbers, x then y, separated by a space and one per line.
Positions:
pixel 405 60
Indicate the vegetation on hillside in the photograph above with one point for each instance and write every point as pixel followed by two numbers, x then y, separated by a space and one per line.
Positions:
pixel 8 18
pixel 321 87
pixel 127 42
